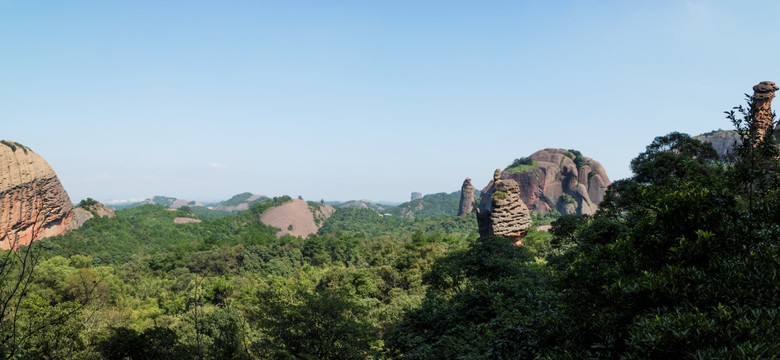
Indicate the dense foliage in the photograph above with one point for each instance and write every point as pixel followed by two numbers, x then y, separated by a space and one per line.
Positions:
pixel 680 261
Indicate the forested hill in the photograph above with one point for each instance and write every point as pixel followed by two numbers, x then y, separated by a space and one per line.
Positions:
pixel 142 278
pixel 681 260
pixel 428 205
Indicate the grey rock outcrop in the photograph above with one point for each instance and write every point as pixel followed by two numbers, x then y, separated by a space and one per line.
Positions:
pixel 416 195
pixel 722 140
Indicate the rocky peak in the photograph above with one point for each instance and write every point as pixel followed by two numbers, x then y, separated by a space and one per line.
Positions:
pixel 89 209
pixel 559 180
pixel 501 211
pixel 416 195
pixel 33 203
pixel 467 196
pixel 763 93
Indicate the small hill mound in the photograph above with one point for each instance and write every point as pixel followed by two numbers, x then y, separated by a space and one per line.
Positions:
pixel 240 202
pixel 89 209
pixel 361 204
pixel 429 205
pixel 559 180
pixel 170 202
pixel 297 217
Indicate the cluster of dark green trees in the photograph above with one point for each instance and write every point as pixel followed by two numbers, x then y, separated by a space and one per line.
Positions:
pixel 680 261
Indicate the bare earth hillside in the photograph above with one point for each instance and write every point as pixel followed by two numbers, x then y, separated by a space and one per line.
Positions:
pixel 297 218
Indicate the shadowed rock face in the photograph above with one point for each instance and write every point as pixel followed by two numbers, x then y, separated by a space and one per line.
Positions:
pixel 33 203
pixel 501 211
pixel 467 196
pixel 416 195
pixel 560 180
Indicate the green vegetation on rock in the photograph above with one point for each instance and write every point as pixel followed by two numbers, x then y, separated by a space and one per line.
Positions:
pixel 522 165
pixel 13 145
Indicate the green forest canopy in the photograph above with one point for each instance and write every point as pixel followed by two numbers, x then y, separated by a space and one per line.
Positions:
pixel 680 261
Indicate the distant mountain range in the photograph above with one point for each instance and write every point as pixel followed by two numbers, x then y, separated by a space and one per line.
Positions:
pixel 428 205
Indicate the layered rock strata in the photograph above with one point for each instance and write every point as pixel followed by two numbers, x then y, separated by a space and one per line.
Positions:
pixel 33 203
pixel 763 93
pixel 501 211
pixel 467 197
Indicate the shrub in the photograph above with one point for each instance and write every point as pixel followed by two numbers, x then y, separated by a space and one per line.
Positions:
pixel 522 164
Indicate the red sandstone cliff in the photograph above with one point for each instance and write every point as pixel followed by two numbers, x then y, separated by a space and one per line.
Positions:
pixel 33 203
pixel 559 179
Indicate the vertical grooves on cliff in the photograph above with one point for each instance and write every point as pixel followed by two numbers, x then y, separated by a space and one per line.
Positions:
pixel 33 203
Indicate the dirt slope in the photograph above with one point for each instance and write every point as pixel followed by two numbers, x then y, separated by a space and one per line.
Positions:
pixel 296 218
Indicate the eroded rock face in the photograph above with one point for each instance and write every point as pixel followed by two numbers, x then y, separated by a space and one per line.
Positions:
pixel 763 93
pixel 722 140
pixel 416 195
pixel 561 180
pixel 501 211
pixel 33 203
pixel 467 196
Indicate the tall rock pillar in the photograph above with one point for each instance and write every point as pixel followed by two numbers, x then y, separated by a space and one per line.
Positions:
pixel 763 93
pixel 467 196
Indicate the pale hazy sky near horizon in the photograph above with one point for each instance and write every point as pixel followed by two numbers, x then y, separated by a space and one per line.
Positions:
pixel 341 100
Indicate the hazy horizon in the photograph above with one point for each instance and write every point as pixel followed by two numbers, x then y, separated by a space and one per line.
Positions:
pixel 353 100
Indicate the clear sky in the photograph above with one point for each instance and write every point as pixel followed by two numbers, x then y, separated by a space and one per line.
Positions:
pixel 342 100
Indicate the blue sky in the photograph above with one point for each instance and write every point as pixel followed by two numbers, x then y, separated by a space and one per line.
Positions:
pixel 361 99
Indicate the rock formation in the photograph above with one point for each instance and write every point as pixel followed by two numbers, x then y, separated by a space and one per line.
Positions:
pixel 561 180
pixel 721 140
pixel 501 211
pixel 467 196
pixel 89 209
pixel 416 195
pixel 763 93
pixel 33 203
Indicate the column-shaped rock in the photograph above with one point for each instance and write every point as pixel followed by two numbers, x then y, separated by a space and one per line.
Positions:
pixel 501 211
pixel 467 196
pixel 763 93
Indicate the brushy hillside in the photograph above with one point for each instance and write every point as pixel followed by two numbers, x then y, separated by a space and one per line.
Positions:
pixel 680 261
pixel 429 205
